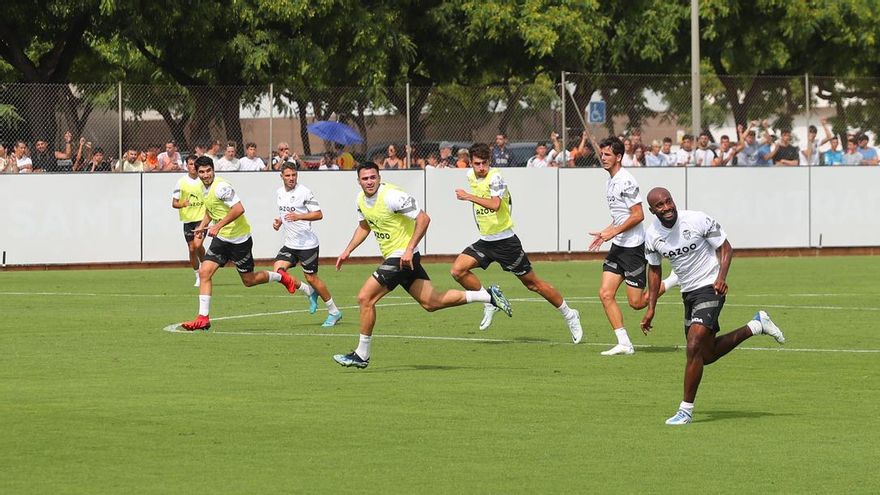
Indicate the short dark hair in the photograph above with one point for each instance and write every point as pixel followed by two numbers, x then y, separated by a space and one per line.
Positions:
pixel 204 161
pixel 687 137
pixel 250 145
pixel 481 151
pixel 288 165
pixel 812 128
pixel 863 137
pixel 785 131
pixel 365 166
pixel 97 150
pixel 724 136
pixel 667 140
pixel 616 144
pixel 707 134
pixel 191 158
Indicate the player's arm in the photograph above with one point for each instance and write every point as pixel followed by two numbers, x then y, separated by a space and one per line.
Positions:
pixel 236 211
pixel 655 274
pixel 68 147
pixel 636 216
pixel 310 216
pixel 176 201
pixel 493 203
pixel 725 255
pixel 360 234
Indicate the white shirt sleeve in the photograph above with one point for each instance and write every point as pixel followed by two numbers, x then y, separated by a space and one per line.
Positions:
pixel 712 232
pixel 226 193
pixel 629 192
pixel 497 187
pixel 653 257
pixel 401 202
pixel 311 202
pixel 176 193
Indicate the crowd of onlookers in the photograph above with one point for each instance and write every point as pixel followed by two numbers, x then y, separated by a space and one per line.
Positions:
pixel 756 145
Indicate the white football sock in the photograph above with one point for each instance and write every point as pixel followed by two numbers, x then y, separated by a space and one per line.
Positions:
pixel 331 306
pixel 670 281
pixel 196 271
pixel 306 288
pixel 204 305
pixel 622 337
pixel 687 406
pixel 274 276
pixel 566 312
pixel 481 295
pixel 363 349
pixel 755 326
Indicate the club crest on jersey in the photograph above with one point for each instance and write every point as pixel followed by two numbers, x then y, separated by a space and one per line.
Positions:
pixel 687 234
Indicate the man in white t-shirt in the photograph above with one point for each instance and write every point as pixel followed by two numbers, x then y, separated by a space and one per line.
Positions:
pixel 297 209
pixel 169 160
pixel 542 159
pixel 704 156
pixel 626 259
pixel 684 157
pixel 228 162
pixel 694 242
pixel 250 161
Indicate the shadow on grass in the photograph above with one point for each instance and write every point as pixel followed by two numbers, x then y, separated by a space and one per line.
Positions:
pixel 707 416
pixel 434 367
pixel 654 349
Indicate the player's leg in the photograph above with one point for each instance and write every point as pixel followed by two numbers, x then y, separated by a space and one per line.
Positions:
pixel 760 324
pixel 418 284
pixel 607 291
pixel 700 343
pixel 194 247
pixel 308 260
pixel 462 272
pixel 206 273
pixel 572 316
pixel 370 294
pixel 334 314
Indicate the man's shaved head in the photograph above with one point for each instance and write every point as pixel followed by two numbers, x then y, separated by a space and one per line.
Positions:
pixel 661 204
pixel 657 193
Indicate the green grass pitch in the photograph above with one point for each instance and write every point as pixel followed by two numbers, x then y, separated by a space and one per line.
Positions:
pixel 96 398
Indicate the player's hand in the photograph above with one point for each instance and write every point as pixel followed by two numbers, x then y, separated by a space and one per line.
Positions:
pixel 720 287
pixel 276 224
pixel 461 194
pixel 341 259
pixel 214 230
pixel 646 321
pixel 292 216
pixel 600 238
pixel 199 233
pixel 185 202
pixel 406 260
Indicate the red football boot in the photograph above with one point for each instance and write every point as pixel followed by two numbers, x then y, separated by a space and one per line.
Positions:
pixel 202 322
pixel 287 280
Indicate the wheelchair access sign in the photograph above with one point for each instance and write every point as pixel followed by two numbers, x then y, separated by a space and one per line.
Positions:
pixel 596 112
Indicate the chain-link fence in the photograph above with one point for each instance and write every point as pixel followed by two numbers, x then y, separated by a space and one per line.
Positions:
pixel 426 126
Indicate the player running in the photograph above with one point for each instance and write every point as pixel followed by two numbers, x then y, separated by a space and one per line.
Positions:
pixel 498 242
pixel 699 252
pixel 187 199
pixel 232 241
pixel 297 209
pixel 394 217
pixel 626 259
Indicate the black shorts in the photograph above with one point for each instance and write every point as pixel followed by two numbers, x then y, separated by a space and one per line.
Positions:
pixel 307 258
pixel 188 228
pixel 390 275
pixel 702 306
pixel 221 251
pixel 628 262
pixel 508 253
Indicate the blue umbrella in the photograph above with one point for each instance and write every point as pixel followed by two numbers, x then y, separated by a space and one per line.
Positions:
pixel 336 132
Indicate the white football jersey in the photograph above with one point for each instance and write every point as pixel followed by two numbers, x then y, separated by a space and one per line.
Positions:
pixel 297 234
pixel 622 193
pixel 690 247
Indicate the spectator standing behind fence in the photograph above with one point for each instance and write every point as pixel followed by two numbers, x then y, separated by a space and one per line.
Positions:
pixel 786 154
pixel 328 162
pixel 500 155
pixel 23 162
pixel 45 160
pixel 869 154
pixel 213 151
pixel 704 156
pixel 747 147
pixel 228 162
pixel 6 165
pixel 464 159
pixel 151 159
pixel 567 158
pixel 654 158
pixel 541 158
pixel 629 159
pixel 96 162
pixel 285 156
pixel 129 162
pixel 250 161
pixel 810 154
pixel 766 149
pixel 392 161
pixel 666 151
pixel 344 159
pixel 684 157
pixel 833 156
pixel 446 159
pixel 852 155
pixel 170 160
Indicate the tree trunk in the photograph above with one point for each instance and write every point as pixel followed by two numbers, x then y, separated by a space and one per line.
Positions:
pixel 303 129
pixel 230 98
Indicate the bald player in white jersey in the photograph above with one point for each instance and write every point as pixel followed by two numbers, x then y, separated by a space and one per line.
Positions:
pixel 699 252
pixel 297 209
pixel 626 259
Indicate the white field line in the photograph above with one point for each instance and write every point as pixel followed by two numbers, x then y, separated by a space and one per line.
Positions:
pixel 175 328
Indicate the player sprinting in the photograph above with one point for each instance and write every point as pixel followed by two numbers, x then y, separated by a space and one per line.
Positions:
pixel 297 209
pixel 187 199
pixel 498 242
pixel 397 222
pixel 231 241
pixel 699 252
pixel 626 259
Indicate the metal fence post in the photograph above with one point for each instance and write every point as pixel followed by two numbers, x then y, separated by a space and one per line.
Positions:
pixel 121 120
pixel 408 130
pixel 695 68
pixel 564 121
pixel 271 118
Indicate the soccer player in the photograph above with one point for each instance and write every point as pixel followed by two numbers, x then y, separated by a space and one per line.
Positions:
pixel 699 252
pixel 498 242
pixel 187 199
pixel 626 259
pixel 231 241
pixel 394 217
pixel 297 209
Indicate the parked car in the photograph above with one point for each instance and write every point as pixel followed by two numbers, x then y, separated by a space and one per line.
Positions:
pixel 520 152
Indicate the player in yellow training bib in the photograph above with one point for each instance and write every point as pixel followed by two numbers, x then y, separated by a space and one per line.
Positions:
pixel 231 241
pixel 187 198
pixel 498 242
pixel 397 222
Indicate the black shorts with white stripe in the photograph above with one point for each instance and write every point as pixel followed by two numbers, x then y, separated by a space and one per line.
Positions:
pixel 702 306
pixel 307 258
pixel 507 252
pixel 628 262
